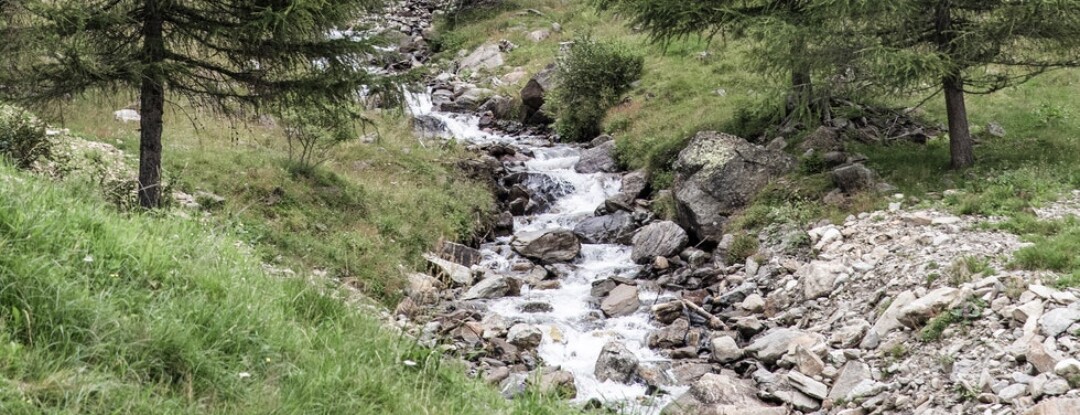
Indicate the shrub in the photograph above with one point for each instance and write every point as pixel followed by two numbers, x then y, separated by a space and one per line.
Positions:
pixel 593 77
pixel 313 129
pixel 22 136
pixel 742 247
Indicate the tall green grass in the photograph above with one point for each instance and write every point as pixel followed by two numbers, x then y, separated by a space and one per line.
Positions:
pixel 102 312
pixel 367 211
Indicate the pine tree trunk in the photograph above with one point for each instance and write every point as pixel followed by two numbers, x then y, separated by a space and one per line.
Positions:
pixel 961 146
pixel 152 96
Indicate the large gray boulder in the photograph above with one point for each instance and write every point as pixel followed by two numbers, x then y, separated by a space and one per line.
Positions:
pixel 718 174
pixel 721 394
pixel 608 229
pixel 658 239
pixel 487 56
pixel 616 363
pixel 548 246
pixel 599 159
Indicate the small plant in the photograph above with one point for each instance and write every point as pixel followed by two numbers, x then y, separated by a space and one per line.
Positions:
pixel 22 136
pixel 931 277
pixel 968 311
pixel 964 269
pixel 936 327
pixel 933 265
pixel 813 163
pixel 946 360
pixel 965 394
pixel 593 77
pixel 1050 114
pixel 742 247
pixel 897 352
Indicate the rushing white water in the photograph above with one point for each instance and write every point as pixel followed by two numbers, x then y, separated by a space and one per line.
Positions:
pixel 574 330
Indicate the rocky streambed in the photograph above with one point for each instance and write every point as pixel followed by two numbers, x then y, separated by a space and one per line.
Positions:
pixel 582 290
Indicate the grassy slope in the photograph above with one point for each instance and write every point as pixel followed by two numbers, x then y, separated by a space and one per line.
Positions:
pixel 111 313
pixel 1033 164
pixel 367 211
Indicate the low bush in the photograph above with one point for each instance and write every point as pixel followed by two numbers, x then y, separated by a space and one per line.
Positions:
pixel 22 136
pixel 593 77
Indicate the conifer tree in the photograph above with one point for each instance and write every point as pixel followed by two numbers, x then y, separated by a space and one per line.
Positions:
pixel 959 46
pixel 223 53
pixel 787 32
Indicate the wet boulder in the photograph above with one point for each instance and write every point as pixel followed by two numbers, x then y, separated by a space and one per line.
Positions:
pixel 658 239
pixel 608 229
pixel 548 246
pixel 718 174
pixel 494 287
pixel 599 159
pixel 622 301
pixel 616 363
pixel 429 126
pixel 524 336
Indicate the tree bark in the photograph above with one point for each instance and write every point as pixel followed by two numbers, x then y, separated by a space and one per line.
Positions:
pixel 961 147
pixel 152 97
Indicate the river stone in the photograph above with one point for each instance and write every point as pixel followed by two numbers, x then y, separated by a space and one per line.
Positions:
pixel 607 229
pixel 779 341
pixel 487 56
pixel 851 375
pixel 458 253
pixel 807 385
pixel 671 336
pixel 725 350
pixel 1067 368
pixel 1056 321
pixel 494 287
pixel 524 336
pixel 423 289
pixel 918 311
pixel 887 322
pixel 818 278
pixel 456 273
pixel 717 175
pixel 658 239
pixel 853 178
pixel 428 126
pixel 622 301
pixel 1058 406
pixel 616 363
pixel 547 246
pixel 558 383
pixel 599 159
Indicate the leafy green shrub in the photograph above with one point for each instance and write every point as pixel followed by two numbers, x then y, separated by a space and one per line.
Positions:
pixel 22 136
pixel 593 77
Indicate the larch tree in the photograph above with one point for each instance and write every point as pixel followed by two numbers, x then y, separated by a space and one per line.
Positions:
pixel 959 47
pixel 226 54
pixel 788 35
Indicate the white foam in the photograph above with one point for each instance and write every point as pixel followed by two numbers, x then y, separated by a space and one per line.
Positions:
pixel 582 328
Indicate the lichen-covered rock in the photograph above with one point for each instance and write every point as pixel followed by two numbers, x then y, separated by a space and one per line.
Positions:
pixel 718 174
